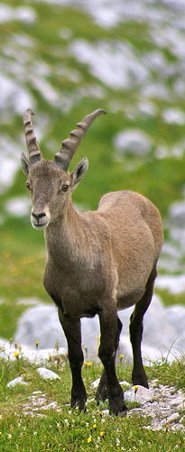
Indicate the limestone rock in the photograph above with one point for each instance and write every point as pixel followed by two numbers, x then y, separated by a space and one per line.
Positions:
pixel 41 323
pixel 16 381
pixel 139 394
pixel 47 374
pixel 133 142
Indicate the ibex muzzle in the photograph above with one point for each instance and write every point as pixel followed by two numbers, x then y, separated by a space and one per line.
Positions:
pixel 97 262
pixel 40 219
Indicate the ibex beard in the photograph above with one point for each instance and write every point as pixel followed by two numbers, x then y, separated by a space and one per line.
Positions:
pixel 98 262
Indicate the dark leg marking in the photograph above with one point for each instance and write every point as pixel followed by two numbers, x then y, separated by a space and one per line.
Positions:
pixel 102 391
pixel 107 352
pixel 136 330
pixel 72 330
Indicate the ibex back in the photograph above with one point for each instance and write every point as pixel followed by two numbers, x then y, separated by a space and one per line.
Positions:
pixel 98 262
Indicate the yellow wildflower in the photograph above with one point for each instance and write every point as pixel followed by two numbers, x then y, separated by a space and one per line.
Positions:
pixel 36 344
pixel 102 434
pixel 87 363
pixel 135 387
pixel 89 440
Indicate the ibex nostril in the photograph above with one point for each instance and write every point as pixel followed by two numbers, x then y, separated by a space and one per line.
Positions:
pixel 38 216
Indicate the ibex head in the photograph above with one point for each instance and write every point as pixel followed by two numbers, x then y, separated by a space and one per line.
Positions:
pixel 49 181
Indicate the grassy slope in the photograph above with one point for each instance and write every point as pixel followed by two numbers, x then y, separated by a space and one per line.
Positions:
pixel 71 431
pixel 22 249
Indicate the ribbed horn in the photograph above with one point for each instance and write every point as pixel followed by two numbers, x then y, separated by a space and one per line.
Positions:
pixel 31 142
pixel 69 146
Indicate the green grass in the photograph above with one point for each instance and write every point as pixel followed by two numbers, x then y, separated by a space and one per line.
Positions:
pixel 22 262
pixel 68 430
pixel 169 298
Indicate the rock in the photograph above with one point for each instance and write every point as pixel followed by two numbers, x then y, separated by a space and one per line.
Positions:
pixel 178 427
pixel 174 116
pixel 90 338
pixel 33 355
pixel 178 401
pixel 139 394
pixel 173 418
pixel 160 407
pixel 16 381
pixel 175 284
pixel 37 403
pixel 150 354
pixel 47 374
pixel 18 207
pixel 121 66
pixel 171 259
pixel 155 322
pixel 28 301
pixel 124 383
pixel 177 234
pixel 177 214
pixel 3 343
pixel 154 344
pixel 133 142
pixel 43 355
pixel 41 323
pixel 176 315
pixel 95 383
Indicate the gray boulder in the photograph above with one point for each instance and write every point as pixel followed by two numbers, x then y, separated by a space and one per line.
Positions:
pixel 40 323
pixel 177 214
pixel 176 316
pixel 133 142
pixel 163 335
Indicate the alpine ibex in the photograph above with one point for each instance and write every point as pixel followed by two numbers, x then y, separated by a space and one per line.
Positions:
pixel 98 262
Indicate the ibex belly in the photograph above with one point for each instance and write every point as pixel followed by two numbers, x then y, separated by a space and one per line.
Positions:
pixel 128 300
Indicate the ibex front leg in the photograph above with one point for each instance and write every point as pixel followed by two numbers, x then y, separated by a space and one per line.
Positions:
pixel 72 330
pixel 107 351
pixel 102 391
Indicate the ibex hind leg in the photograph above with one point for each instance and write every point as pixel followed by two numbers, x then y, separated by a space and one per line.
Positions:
pixel 102 391
pixel 139 376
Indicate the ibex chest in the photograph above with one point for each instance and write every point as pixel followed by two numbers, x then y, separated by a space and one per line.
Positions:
pixel 78 290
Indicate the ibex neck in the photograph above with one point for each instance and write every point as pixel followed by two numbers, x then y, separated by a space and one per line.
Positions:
pixel 65 235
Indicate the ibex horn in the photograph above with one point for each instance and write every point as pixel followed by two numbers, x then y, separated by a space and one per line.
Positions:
pixel 31 142
pixel 69 146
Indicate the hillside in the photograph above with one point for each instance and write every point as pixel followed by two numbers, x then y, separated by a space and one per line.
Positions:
pixel 64 59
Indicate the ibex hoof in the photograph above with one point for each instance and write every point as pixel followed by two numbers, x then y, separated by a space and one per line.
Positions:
pixel 101 395
pixel 79 403
pixel 117 405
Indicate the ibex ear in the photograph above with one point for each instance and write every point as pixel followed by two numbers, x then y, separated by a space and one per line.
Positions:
pixel 79 173
pixel 25 164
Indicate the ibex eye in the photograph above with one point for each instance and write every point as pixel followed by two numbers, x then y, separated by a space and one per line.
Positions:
pixel 65 187
pixel 28 185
